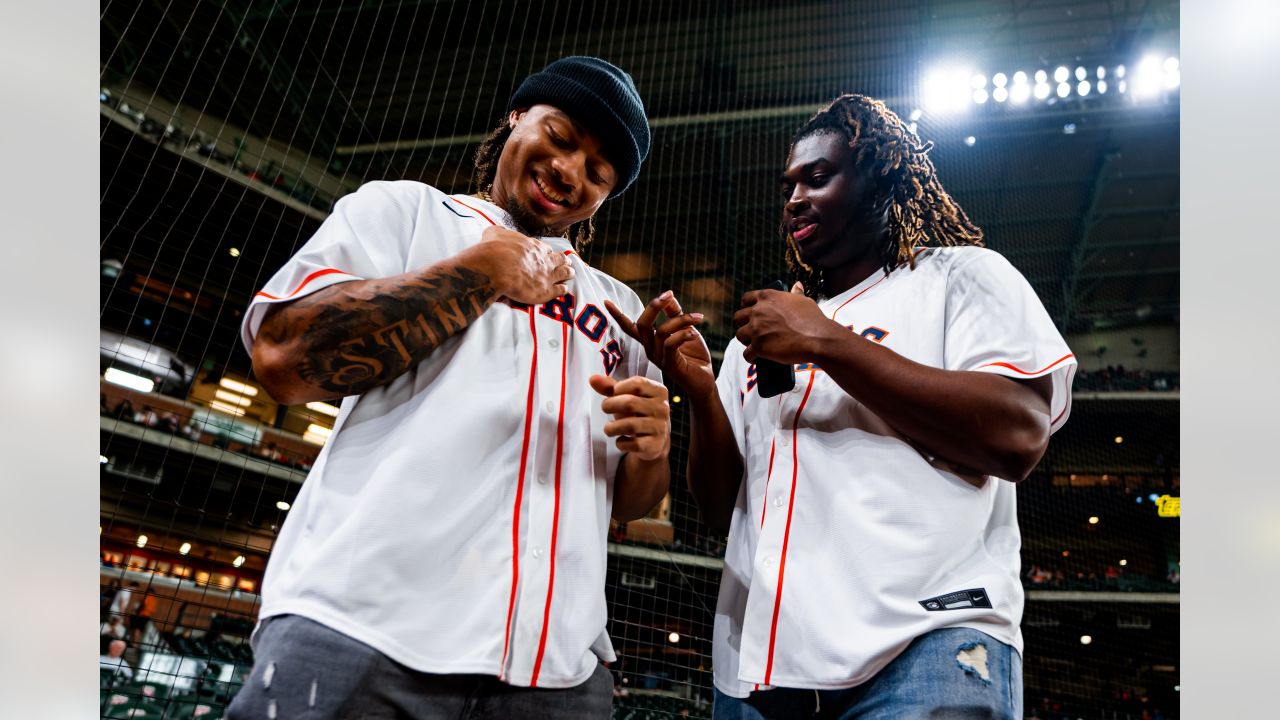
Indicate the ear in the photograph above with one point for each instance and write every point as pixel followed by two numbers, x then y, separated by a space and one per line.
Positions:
pixel 515 116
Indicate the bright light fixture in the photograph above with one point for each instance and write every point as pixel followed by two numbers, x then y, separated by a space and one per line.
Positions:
pixel 1064 90
pixel 1042 91
pixel 129 380
pixel 1170 64
pixel 323 407
pixel 978 81
pixel 102 459
pixel 1102 72
pixel 1042 76
pixel 186 548
pixel 946 91
pixel 1061 74
pixel 238 387
pixel 1081 73
pixel 282 505
pixel 232 398
pixel 1019 93
pixel 238 561
pixel 1086 639
pixel 1093 520
pixel 1147 81
pixel 1000 94
pixel 674 637
pixel 1083 88
pixel 234 252
pixel 1119 439
pixel 970 141
pixel 1123 86
pixel 317 434
pixel 228 409
pixel 999 80
pixel 1123 563
pixel 1019 78
pixel 979 96
pixel 142 541
pixel 1172 79
pixel 1119 71
pixel 1102 87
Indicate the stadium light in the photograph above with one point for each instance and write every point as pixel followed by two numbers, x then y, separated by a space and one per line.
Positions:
pixel 978 81
pixel 1123 562
pixel 1042 76
pixel 1042 91
pixel 323 407
pixel 1019 78
pixel 232 398
pixel 1069 129
pixel 999 80
pixel 1061 74
pixel 142 541
pixel 238 387
pixel 1102 87
pixel 234 252
pixel 102 460
pixel 238 561
pixel 134 382
pixel 228 409
pixel 1093 519
pixel 1119 439
pixel 1102 72
pixel 946 91
pixel 1170 64
pixel 979 96
pixel 1119 71
pixel 1086 639
pixel 282 505
pixel 1122 86
pixel 1083 88
pixel 1146 81
pixel 1019 93
pixel 674 637
pixel 1081 73
pixel 1000 94
pixel 186 548
pixel 970 141
pixel 1064 89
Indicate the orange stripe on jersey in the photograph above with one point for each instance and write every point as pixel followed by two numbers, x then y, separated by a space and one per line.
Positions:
pixel 786 533
pixel 560 456
pixel 474 210
pixel 303 284
pixel 515 514
pixel 1016 369
pixel 855 297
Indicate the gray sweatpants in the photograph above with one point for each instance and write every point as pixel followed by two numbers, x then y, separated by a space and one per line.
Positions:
pixel 303 669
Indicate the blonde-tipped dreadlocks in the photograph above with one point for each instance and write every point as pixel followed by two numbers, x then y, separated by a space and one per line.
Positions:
pixel 920 212
pixel 580 233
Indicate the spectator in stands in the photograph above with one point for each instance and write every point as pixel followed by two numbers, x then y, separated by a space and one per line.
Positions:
pixel 124 410
pixel 147 416
pixel 143 611
pixel 120 604
pixel 114 628
pixel 114 660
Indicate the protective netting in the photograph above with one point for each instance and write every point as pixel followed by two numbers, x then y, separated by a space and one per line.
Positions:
pixel 229 129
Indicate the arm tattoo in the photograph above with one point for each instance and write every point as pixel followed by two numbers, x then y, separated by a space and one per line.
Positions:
pixel 353 340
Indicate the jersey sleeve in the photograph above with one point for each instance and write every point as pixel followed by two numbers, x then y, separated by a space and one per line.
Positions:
pixel 367 236
pixel 729 385
pixel 995 323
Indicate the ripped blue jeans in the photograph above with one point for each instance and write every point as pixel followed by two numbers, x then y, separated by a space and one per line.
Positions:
pixel 947 674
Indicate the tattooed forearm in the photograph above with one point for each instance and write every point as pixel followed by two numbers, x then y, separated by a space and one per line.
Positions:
pixel 358 335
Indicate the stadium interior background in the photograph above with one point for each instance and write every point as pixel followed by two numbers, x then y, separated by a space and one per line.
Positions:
pixel 229 128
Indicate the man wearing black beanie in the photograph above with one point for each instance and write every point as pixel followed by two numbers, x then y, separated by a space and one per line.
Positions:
pixel 445 557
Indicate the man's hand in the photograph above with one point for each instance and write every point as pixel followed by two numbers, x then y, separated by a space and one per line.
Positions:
pixel 781 326
pixel 675 345
pixel 641 416
pixel 523 269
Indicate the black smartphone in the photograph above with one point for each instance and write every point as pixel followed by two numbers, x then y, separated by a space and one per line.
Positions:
pixel 774 378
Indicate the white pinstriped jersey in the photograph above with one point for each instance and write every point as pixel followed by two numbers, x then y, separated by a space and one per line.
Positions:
pixel 457 518
pixel 847 540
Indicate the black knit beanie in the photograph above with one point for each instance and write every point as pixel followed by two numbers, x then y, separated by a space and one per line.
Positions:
pixel 604 99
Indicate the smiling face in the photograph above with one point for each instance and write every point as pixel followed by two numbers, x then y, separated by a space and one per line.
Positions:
pixel 552 172
pixel 831 211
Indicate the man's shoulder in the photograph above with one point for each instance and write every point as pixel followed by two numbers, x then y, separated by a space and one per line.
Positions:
pixel 398 193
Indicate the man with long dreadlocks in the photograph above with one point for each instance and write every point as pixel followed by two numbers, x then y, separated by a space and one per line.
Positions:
pixel 445 557
pixel 872 565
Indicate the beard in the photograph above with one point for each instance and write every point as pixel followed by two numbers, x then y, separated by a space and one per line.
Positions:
pixel 526 221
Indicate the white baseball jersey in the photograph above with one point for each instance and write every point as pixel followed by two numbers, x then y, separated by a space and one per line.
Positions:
pixel 847 540
pixel 457 519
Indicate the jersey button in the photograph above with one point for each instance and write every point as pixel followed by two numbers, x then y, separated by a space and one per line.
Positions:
pixel 786 440
pixel 537 553
pixel 553 343
pixel 769 561
pixel 551 407
pixel 777 501
pixel 542 479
